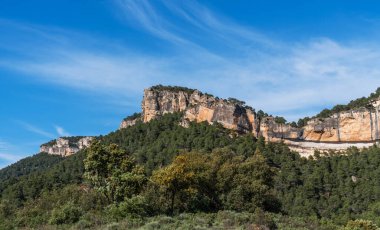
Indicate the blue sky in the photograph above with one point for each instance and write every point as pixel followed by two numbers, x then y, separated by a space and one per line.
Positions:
pixel 79 67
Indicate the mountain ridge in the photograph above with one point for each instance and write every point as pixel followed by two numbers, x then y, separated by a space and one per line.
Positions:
pixel 234 114
pixel 359 126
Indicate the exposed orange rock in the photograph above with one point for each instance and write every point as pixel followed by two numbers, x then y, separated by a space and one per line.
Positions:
pixel 350 126
pixel 197 107
pixel 360 125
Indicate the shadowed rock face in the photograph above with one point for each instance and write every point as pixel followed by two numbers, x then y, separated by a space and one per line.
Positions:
pixel 273 131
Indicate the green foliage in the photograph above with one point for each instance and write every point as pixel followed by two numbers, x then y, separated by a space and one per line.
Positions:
pixel 222 180
pixel 133 116
pixel 243 183
pixel 354 104
pixel 360 225
pixel 236 101
pixel 303 121
pixel 37 163
pixel 185 181
pixel 334 186
pixel 280 120
pixel 113 172
pixel 205 168
pixel 30 186
pixel 157 142
pixel 66 214
pixel 372 213
pixel 134 207
pixel 261 114
pixel 293 124
pixel 175 89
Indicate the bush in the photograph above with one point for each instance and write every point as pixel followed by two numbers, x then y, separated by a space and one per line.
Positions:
pixel 360 225
pixel 66 214
pixel 134 207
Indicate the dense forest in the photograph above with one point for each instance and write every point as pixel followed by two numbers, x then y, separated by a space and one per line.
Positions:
pixel 160 175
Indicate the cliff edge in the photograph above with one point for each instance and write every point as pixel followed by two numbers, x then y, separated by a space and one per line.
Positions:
pixel 357 125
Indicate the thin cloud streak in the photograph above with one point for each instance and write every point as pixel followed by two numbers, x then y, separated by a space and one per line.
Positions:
pixel 36 130
pixel 279 77
pixel 61 131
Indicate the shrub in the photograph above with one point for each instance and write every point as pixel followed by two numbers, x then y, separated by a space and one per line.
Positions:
pixel 360 225
pixel 66 214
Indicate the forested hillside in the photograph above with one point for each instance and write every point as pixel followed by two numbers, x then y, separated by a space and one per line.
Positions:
pixel 161 175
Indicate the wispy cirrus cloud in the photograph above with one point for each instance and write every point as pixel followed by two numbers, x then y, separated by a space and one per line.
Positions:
pixel 207 51
pixel 61 131
pixel 35 129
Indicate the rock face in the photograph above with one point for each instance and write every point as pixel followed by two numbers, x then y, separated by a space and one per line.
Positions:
pixel 66 146
pixel 129 122
pixel 273 131
pixel 360 125
pixel 198 107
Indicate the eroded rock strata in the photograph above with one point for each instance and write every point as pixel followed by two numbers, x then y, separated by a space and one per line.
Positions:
pixel 66 146
pixel 360 125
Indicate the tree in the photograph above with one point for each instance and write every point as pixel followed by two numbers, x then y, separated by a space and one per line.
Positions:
pixel 302 122
pixel 245 184
pixel 261 114
pixel 293 124
pixel 359 225
pixel 186 178
pixel 280 120
pixel 113 172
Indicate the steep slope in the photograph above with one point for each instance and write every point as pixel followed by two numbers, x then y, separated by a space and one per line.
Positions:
pixel 304 188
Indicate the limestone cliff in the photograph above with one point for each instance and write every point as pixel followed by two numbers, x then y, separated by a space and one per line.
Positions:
pixel 359 125
pixel 273 131
pixel 66 146
pixel 131 120
pixel 198 107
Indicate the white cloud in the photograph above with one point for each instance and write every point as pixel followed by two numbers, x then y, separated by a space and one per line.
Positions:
pixel 218 56
pixel 61 131
pixel 34 129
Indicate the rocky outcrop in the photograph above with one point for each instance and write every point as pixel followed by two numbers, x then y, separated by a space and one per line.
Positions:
pixel 336 132
pixel 273 131
pixel 307 148
pixel 66 146
pixel 198 107
pixel 131 120
pixel 359 125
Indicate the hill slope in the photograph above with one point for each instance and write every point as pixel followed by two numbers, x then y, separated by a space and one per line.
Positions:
pixel 335 187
